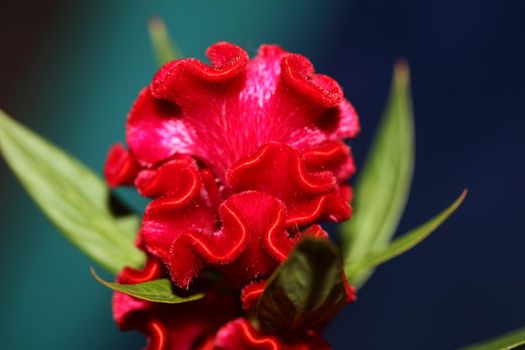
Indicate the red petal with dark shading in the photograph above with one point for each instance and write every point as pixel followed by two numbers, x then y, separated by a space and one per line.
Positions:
pixel 180 80
pixel 349 125
pixel 319 90
pixel 169 217
pixel 251 241
pixel 178 179
pixel 281 171
pixel 170 327
pixel 212 188
pixel 178 326
pixel 251 293
pixel 121 167
pixel 332 156
pixel 155 130
pixel 239 334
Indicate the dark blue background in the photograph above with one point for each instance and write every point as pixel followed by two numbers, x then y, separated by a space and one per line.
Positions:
pixel 71 71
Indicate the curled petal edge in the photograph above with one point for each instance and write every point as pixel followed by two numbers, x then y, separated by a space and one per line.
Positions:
pixel 297 73
pixel 195 249
pixel 121 167
pixel 177 178
pixel 176 77
pixel 282 171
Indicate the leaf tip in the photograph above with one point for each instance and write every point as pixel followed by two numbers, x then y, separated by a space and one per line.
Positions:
pixel 402 72
pixel 165 49
pixel 96 276
pixel 94 273
pixel 156 24
pixel 461 198
pixel 4 117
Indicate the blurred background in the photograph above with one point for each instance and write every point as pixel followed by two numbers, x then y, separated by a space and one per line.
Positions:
pixel 70 71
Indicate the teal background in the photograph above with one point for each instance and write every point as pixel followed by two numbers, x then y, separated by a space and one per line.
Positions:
pixel 70 71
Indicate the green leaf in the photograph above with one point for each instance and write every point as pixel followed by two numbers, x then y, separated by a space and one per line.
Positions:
pixel 306 291
pixel 401 244
pixel 513 340
pixel 158 291
pixel 383 186
pixel 164 47
pixel 70 195
pixel 129 225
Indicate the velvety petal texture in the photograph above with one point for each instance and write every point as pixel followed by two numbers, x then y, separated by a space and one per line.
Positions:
pixel 241 158
pixel 222 112
pixel 305 193
pixel 240 334
pixel 251 242
pixel 121 167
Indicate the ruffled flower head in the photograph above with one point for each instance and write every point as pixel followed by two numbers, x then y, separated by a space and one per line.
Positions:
pixel 241 157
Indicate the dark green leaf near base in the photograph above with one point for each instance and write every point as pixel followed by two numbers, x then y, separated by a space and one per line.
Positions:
pixel 305 292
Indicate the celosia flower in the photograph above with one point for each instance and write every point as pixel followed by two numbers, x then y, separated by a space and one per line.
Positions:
pixel 241 157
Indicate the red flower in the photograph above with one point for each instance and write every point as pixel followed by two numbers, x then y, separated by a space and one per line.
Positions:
pixel 170 327
pixel 121 166
pixel 241 158
pixel 223 112
pixel 239 334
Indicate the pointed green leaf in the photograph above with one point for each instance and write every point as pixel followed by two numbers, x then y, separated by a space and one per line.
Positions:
pixel 401 244
pixel 164 47
pixel 158 291
pixel 72 196
pixel 513 340
pixel 383 186
pixel 306 291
